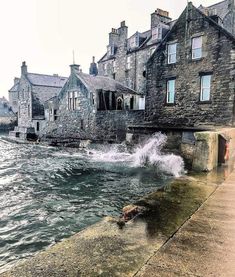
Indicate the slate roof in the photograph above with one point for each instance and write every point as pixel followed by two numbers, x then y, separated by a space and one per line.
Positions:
pixel 46 80
pixel 220 7
pixel 94 83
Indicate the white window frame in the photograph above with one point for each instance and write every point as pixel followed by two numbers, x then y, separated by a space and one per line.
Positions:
pixel 204 89
pixel 168 94
pixel 171 55
pixel 128 62
pixel 196 50
pixel 157 33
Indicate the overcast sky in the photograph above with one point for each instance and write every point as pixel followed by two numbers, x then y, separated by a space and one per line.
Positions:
pixel 44 32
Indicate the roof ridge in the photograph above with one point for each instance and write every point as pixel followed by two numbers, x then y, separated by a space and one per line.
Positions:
pixel 56 76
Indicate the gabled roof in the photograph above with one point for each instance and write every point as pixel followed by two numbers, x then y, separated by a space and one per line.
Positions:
pixel 211 21
pixel 46 80
pixel 94 83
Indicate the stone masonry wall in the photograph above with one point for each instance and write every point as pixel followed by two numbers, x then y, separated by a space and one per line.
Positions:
pixel 218 58
pixel 112 125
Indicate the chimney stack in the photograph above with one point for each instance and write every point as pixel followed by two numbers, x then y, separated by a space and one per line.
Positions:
pixel 93 67
pixel 159 16
pixel 24 70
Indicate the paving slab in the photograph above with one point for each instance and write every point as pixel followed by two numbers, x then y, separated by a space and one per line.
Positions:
pixel 205 244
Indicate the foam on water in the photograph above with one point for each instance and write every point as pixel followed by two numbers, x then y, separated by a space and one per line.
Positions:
pixel 148 154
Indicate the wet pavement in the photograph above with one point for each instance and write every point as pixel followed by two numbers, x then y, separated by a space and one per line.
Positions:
pixel 176 237
pixel 205 244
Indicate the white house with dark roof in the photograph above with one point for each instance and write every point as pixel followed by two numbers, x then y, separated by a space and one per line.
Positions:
pixel 33 91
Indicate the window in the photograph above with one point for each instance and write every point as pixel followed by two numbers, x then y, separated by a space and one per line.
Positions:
pixel 197 47
pixel 171 53
pixel 205 88
pixel 170 98
pixel 73 102
pixel 82 124
pixel 128 62
pixel 105 69
pixel 156 33
pixel 70 101
pixel 38 126
pixel 152 51
pixel 55 115
pixel 134 41
pixel 114 66
pixel 110 50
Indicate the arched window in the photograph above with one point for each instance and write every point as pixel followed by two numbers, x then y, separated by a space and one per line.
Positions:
pixel 119 103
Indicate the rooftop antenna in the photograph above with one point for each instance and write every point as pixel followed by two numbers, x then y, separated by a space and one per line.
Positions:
pixel 73 57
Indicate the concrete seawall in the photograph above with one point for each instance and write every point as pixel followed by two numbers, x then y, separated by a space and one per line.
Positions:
pixel 106 250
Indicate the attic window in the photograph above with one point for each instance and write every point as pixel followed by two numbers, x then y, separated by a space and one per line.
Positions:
pixel 134 41
pixel 110 50
pixel 157 33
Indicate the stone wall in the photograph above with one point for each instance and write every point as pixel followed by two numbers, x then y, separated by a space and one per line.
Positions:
pixel 112 125
pixel 218 58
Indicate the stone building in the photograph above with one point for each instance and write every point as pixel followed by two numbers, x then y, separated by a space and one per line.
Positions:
pixel 191 74
pixel 126 57
pixel 7 116
pixel 33 91
pixel 14 96
pixel 91 107
pixel 223 13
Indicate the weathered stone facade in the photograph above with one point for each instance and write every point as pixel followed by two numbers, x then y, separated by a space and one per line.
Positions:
pixel 91 107
pixel 14 96
pixel 217 60
pixel 223 13
pixel 125 60
pixel 33 90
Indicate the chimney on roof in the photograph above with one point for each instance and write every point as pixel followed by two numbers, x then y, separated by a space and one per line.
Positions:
pixel 24 70
pixel 93 67
pixel 16 80
pixel 74 68
pixel 159 16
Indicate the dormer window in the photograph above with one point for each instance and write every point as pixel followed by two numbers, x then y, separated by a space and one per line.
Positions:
pixel 156 33
pixel 110 50
pixel 134 41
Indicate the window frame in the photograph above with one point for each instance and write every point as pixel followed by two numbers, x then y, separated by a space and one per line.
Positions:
pixel 202 88
pixel 156 33
pixel 170 54
pixel 128 62
pixel 168 91
pixel 194 49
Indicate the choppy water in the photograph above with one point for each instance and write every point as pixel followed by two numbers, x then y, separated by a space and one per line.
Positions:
pixel 47 194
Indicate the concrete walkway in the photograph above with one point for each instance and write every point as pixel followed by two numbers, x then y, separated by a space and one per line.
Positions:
pixel 205 244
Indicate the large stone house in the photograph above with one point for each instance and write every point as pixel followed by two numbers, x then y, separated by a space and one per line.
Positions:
pixel 33 91
pixel 191 74
pixel 126 58
pixel 91 107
